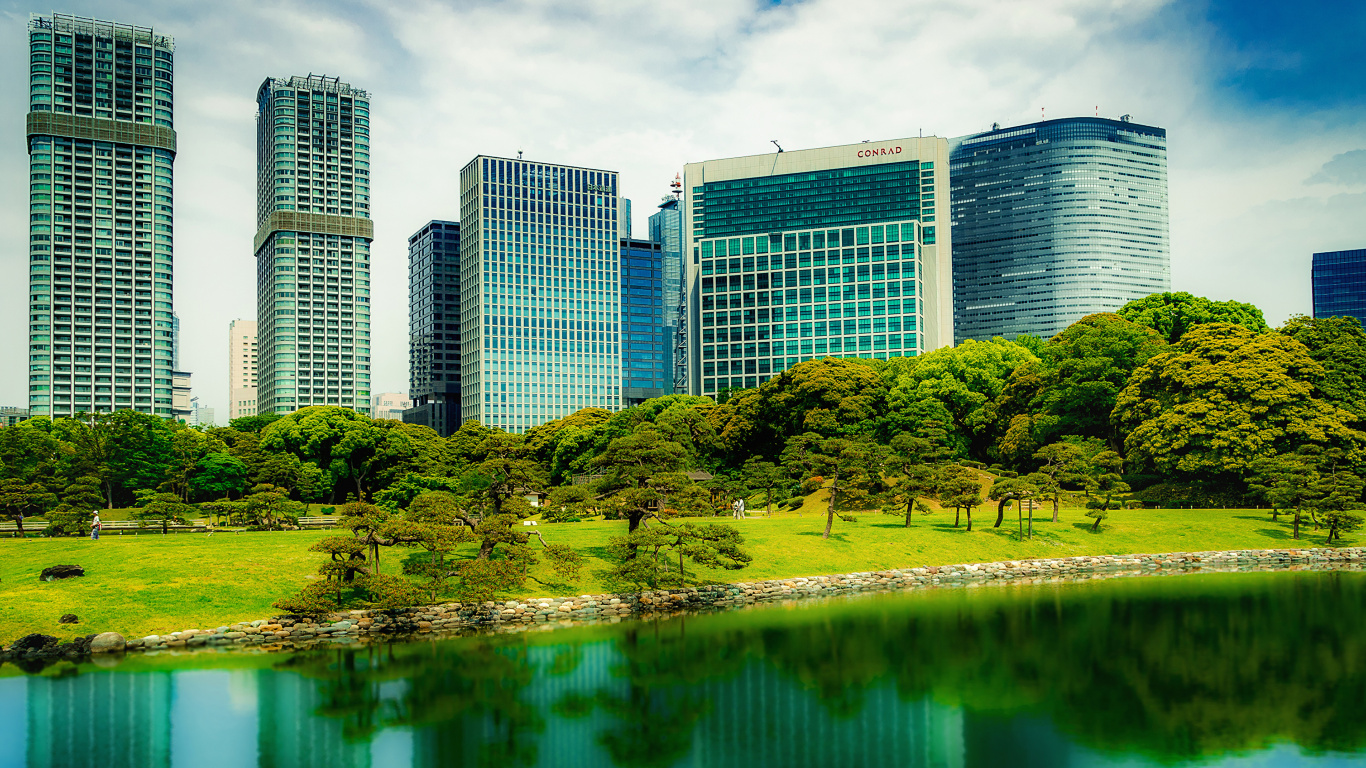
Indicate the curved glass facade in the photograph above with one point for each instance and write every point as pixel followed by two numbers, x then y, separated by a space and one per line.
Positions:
pixel 1055 221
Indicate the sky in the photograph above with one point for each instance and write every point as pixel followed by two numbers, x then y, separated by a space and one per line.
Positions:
pixel 1264 103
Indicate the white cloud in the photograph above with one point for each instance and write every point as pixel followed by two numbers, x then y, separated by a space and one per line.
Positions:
pixel 643 87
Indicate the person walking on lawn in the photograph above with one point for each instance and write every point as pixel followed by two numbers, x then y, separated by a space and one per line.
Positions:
pixel 95 528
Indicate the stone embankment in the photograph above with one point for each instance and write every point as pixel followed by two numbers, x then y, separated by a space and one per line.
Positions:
pixel 352 627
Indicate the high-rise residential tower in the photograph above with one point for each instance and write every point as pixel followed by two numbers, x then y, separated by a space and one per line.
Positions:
pixel 644 338
pixel 813 253
pixel 434 327
pixel 539 280
pixel 1339 280
pixel 666 228
pixel 1054 221
pixel 101 144
pixel 242 368
pixel 313 244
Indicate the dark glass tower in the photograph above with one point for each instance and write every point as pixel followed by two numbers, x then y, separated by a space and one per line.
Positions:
pixel 434 327
pixel 666 228
pixel 1055 221
pixel 644 335
pixel 1339 279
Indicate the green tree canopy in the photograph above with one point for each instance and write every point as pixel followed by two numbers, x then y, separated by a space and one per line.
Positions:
pixel 1223 397
pixel 1173 315
pixel 1339 345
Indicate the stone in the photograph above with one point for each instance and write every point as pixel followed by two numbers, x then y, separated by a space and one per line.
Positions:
pixel 107 642
pixel 33 642
pixel 69 618
pixel 55 572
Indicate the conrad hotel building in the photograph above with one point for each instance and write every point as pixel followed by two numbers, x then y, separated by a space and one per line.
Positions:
pixel 540 303
pixel 799 255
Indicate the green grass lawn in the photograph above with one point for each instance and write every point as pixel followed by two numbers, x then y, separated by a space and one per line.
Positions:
pixel 152 584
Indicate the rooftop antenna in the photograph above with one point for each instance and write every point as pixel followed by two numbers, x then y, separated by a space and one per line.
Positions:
pixel 775 143
pixel 1097 110
pixel 1041 114
pixel 676 187
pixel 995 126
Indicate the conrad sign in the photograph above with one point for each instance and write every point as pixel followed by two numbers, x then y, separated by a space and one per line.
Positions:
pixel 880 151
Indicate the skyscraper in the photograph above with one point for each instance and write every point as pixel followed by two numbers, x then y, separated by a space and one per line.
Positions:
pixel 644 338
pixel 102 146
pixel 242 368
pixel 434 327
pixel 539 304
pixel 813 253
pixel 1339 280
pixel 313 244
pixel 1054 221
pixel 666 228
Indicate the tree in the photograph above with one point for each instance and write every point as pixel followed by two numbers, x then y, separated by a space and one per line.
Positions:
pixel 1099 514
pixel 764 476
pixel 19 500
pixel 1062 463
pixel 1222 398
pixel 1084 369
pixel 644 557
pixel 631 460
pixel 1339 345
pixel 1338 503
pixel 164 509
pixel 269 508
pixel 219 475
pixel 342 443
pixel 907 487
pixel 850 467
pixel 1173 315
pixel 79 500
pixel 1287 481
pixel 1004 490
pixel 960 489
pixel 1103 477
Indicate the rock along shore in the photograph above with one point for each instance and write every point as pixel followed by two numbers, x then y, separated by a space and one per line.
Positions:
pixel 287 633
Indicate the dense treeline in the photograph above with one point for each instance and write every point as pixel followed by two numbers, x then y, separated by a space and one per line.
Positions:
pixel 1174 400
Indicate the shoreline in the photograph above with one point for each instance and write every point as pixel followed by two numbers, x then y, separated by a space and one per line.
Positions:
pixel 353 628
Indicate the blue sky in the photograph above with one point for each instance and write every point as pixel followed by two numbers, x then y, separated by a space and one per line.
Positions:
pixel 1264 103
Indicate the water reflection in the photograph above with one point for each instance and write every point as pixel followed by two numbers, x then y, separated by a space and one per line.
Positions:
pixel 1246 669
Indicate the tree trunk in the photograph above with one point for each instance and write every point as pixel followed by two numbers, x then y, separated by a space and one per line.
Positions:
pixel 969 519
pixel 1031 518
pixel 486 548
pixel 830 510
pixel 1019 512
pixel 1001 512
pixel 1297 522
pixel 1055 509
pixel 1096 527
pixel 909 505
pixel 957 514
pixel 770 502
pixel 19 524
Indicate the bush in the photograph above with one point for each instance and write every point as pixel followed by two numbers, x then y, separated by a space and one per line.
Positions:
pixel 327 511
pixel 973 464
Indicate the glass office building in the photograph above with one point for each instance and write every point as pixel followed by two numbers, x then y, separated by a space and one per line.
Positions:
pixel 1055 221
pixel 1339 280
pixel 540 309
pixel 434 327
pixel 102 146
pixel 666 228
pixel 814 253
pixel 644 336
pixel 313 244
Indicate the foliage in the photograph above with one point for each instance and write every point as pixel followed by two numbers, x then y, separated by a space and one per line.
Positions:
pixel 1339 345
pixel 1173 315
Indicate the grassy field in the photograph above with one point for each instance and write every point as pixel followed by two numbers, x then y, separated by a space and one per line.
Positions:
pixel 151 584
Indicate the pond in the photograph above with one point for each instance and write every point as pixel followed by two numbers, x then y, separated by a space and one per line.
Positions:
pixel 1254 669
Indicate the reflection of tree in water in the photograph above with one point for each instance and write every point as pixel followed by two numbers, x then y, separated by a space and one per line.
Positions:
pixel 468 696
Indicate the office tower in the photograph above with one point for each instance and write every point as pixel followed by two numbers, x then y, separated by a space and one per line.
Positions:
pixel 241 369
pixel 666 228
pixel 624 210
pixel 390 405
pixel 101 144
pixel 1054 221
pixel 434 327
pixel 199 415
pixel 313 244
pixel 813 253
pixel 540 317
pixel 12 414
pixel 1339 280
pixel 644 337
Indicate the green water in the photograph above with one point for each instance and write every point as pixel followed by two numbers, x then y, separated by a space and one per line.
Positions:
pixel 1229 670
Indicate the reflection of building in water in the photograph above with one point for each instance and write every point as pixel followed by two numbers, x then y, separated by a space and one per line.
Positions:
pixel 100 719
pixel 304 722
